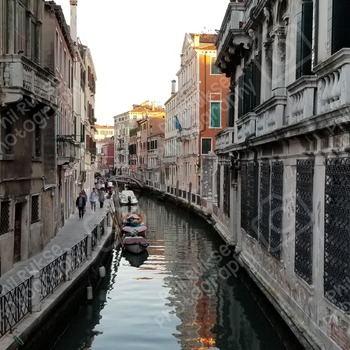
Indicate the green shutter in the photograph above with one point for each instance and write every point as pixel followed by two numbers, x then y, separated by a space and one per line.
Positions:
pixel 215 115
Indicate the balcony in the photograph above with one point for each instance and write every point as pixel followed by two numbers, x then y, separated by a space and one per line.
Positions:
pixel 19 76
pixel 232 39
pixel 270 115
pixel 245 126
pixel 224 139
pixel 301 95
pixel 68 150
pixel 333 83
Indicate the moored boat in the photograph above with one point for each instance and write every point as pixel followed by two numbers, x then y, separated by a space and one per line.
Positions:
pixel 127 197
pixel 133 233
pixel 134 244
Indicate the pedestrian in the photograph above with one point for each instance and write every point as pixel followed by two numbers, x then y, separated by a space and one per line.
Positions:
pixel 93 199
pixel 101 197
pixel 86 198
pixel 80 203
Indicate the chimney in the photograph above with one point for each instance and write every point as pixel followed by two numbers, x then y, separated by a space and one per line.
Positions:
pixel 196 41
pixel 73 20
pixel 173 87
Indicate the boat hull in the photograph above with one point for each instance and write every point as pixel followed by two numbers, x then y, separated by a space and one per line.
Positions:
pixel 135 245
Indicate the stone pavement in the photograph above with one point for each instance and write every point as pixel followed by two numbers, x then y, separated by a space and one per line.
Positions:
pixel 73 231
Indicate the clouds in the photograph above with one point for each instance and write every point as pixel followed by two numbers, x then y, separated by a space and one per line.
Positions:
pixel 136 46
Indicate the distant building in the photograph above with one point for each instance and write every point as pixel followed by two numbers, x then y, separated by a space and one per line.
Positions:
pixel 106 158
pixel 126 125
pixel 103 134
pixel 150 149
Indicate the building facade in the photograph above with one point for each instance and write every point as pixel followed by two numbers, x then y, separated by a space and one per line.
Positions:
pixel 43 137
pixel 199 113
pixel 284 158
pixel 29 105
pixel 126 126
pixel 171 146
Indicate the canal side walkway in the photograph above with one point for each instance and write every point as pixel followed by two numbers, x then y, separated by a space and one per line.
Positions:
pixel 90 235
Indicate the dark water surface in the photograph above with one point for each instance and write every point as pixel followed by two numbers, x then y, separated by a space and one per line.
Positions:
pixel 185 293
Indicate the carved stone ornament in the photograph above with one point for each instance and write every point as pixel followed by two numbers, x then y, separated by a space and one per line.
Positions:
pixel 242 40
pixel 267 14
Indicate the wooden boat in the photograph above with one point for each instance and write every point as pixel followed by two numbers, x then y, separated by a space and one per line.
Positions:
pixel 132 225
pixel 136 244
pixel 127 197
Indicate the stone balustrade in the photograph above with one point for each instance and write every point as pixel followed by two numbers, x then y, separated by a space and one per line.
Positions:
pixel 245 126
pixel 68 151
pixel 224 139
pixel 270 115
pixel 333 83
pixel 20 76
pixel 301 96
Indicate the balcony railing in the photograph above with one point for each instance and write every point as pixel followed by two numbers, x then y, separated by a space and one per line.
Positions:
pixel 301 95
pixel 68 150
pixel 333 83
pixel 224 139
pixel 245 126
pixel 20 76
pixel 270 115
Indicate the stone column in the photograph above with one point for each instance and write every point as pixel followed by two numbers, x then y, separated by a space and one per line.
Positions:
pixel 98 233
pixel 278 61
pixel 89 246
pixel 68 264
pixel 36 294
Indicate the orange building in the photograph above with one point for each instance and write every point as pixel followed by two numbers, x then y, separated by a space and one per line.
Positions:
pixel 200 108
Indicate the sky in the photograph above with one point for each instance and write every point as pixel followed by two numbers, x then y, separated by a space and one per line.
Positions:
pixel 136 46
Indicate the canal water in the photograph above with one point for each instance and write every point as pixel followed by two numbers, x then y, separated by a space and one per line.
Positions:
pixel 186 293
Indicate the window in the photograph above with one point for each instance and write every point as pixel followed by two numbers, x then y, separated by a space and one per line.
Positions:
pixel 3 17
pixel 5 217
pixel 215 115
pixel 214 70
pixel 35 209
pixel 37 140
pixel 304 40
pixel 34 42
pixel 340 25
pixel 206 146
pixel 21 31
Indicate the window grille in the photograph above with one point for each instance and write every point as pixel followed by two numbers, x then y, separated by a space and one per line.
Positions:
pixel 35 208
pixel 226 188
pixel 303 219
pixel 265 209
pixel 5 217
pixel 252 199
pixel 337 232
pixel 276 209
pixel 244 181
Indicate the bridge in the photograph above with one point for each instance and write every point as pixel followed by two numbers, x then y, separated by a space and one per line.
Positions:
pixel 126 178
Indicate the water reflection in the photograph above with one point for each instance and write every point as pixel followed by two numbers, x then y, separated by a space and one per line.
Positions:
pixel 186 292
pixel 136 260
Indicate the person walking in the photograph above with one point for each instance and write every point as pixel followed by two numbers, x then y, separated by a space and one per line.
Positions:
pixel 80 203
pixel 93 199
pixel 101 197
